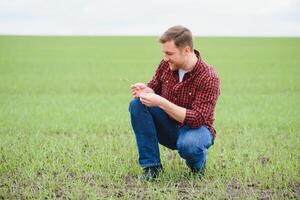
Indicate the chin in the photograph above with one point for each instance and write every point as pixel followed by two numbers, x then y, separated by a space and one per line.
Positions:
pixel 173 67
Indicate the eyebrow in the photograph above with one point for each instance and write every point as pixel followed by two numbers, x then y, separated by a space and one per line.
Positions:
pixel 167 52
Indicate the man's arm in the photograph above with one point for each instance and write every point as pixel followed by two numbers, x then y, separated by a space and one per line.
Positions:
pixel 202 107
pixel 176 112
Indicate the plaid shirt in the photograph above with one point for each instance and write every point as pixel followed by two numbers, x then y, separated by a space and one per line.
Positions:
pixel 198 92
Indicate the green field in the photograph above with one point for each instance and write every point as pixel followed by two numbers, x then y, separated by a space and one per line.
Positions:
pixel 65 129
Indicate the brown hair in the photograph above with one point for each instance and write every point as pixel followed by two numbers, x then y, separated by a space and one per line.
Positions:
pixel 182 37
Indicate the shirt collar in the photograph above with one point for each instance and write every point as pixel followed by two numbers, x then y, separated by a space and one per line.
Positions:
pixel 197 65
pixel 197 54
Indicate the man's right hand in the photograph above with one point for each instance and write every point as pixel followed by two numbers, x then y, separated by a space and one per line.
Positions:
pixel 138 88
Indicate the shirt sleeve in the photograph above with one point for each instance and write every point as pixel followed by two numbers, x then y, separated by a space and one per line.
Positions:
pixel 155 83
pixel 203 106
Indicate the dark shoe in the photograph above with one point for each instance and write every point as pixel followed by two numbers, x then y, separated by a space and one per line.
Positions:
pixel 151 173
pixel 198 172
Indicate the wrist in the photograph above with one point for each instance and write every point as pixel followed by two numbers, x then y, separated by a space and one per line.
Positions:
pixel 162 103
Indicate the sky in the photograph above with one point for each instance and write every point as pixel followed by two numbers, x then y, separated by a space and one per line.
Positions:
pixel 151 17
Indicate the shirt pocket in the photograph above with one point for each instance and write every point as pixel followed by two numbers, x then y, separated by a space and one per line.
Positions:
pixel 165 78
pixel 190 96
pixel 166 86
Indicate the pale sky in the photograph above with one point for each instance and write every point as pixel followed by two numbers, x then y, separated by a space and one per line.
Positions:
pixel 151 17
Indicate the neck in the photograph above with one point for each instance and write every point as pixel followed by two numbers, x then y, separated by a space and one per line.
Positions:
pixel 190 63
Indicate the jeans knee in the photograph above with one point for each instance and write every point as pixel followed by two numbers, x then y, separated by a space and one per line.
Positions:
pixel 135 105
pixel 188 147
pixel 156 111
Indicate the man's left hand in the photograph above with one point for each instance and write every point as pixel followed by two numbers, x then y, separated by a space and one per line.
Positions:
pixel 150 99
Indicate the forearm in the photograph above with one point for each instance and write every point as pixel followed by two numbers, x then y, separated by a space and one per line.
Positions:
pixel 176 112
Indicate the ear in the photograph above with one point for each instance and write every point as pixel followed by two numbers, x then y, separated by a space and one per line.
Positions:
pixel 186 50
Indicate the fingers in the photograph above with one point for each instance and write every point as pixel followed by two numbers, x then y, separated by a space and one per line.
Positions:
pixel 135 92
pixel 133 87
pixel 138 85
pixel 143 96
pixel 145 101
pixel 137 89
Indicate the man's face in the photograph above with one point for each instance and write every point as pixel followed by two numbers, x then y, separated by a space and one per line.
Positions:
pixel 175 57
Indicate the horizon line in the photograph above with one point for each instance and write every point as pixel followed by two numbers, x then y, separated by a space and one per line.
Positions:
pixel 147 35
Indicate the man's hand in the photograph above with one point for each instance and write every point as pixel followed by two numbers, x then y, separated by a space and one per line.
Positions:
pixel 138 88
pixel 151 99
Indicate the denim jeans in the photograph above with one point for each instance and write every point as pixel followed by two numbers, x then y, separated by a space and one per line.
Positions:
pixel 152 126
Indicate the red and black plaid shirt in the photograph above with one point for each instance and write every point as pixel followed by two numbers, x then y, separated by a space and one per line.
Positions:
pixel 198 92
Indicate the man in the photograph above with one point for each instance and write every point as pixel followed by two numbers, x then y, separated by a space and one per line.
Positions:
pixel 176 108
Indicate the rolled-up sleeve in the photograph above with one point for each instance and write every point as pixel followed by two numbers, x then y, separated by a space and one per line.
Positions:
pixel 203 106
pixel 155 83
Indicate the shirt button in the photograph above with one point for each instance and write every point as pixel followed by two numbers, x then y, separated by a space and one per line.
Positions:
pixel 167 81
pixel 190 93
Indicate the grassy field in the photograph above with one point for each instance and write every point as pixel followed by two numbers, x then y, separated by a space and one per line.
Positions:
pixel 65 129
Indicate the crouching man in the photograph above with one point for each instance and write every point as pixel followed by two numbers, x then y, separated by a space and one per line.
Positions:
pixel 176 108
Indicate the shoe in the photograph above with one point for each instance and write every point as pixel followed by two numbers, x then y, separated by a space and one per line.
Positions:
pixel 151 173
pixel 198 172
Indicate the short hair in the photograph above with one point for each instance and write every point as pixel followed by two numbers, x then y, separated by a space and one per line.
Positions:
pixel 181 35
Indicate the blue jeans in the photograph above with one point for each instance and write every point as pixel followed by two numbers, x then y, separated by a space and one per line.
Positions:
pixel 152 126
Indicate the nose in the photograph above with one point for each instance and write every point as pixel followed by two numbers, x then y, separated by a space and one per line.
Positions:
pixel 166 58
